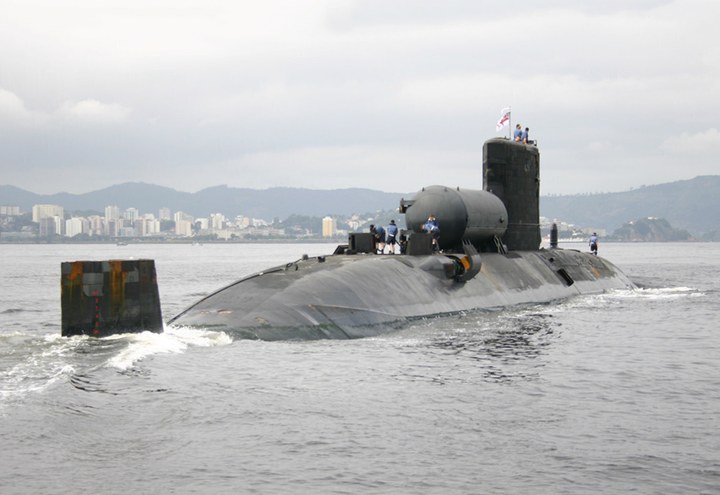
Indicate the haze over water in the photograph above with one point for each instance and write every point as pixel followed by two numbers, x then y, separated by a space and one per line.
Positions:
pixel 613 393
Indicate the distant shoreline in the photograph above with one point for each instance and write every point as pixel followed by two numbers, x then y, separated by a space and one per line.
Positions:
pixel 189 242
pixel 278 241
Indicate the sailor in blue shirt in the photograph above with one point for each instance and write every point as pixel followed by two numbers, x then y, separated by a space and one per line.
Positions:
pixel 517 135
pixel 593 243
pixel 432 227
pixel 392 231
pixel 379 235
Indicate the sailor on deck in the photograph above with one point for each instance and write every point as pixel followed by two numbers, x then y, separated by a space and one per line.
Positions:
pixel 593 243
pixel 432 227
pixel 392 231
pixel 379 235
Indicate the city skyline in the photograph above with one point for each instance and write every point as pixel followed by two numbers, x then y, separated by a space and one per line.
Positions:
pixel 53 220
pixel 128 222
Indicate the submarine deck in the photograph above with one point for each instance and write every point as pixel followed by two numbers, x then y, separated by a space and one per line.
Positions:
pixel 361 295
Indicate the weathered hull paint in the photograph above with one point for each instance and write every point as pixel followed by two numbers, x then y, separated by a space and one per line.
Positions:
pixel 354 296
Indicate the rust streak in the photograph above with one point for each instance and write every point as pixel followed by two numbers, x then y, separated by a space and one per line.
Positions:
pixel 117 288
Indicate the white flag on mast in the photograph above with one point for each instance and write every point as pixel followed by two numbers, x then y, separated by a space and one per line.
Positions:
pixel 504 120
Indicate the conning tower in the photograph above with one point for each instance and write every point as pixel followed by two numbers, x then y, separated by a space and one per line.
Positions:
pixel 511 171
pixel 507 210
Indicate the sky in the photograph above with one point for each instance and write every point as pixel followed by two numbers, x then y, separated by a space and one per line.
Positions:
pixel 391 95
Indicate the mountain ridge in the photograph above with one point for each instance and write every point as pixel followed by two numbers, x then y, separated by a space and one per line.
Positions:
pixel 268 204
pixel 691 204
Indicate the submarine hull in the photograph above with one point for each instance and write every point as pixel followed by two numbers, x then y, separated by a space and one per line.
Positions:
pixel 354 296
pixel 492 261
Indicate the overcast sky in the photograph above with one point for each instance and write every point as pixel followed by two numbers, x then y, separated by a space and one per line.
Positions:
pixel 385 94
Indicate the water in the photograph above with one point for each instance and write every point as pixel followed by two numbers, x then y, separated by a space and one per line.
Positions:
pixel 615 393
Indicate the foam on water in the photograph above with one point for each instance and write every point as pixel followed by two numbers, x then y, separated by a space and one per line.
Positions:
pixel 173 340
pixel 614 297
pixel 656 293
pixel 35 366
pixel 37 363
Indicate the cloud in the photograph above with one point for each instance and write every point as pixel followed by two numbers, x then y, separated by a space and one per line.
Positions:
pixel 13 111
pixel 701 142
pixel 356 13
pixel 94 112
pixel 389 94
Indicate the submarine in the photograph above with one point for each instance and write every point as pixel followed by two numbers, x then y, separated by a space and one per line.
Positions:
pixel 488 257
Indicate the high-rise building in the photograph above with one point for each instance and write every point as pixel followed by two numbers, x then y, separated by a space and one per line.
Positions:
pixel 131 214
pixel 50 226
pixel 96 225
pixel 180 216
pixel 217 221
pixel 152 226
pixel 59 224
pixel 329 227
pixel 76 225
pixel 127 232
pixel 183 227
pixel 10 210
pixel 47 227
pixel 47 211
pixel 112 213
pixel 165 214
pixel 243 222
pixel 112 227
pixel 140 227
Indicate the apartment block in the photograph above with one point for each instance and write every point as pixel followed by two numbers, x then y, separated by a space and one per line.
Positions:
pixel 47 211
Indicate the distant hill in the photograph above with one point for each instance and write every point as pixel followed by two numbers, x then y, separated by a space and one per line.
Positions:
pixel 267 204
pixel 689 204
pixel 693 204
pixel 650 230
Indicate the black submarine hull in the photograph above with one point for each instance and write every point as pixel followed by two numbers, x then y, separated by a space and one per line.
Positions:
pixel 364 295
pixel 491 259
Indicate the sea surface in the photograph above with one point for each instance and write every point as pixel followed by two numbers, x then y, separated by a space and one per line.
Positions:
pixel 615 393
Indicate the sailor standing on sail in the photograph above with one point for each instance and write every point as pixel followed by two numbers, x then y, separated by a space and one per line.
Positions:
pixel 517 135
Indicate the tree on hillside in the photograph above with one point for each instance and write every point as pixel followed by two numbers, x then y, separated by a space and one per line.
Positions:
pixel 650 230
pixel 167 225
pixel 295 223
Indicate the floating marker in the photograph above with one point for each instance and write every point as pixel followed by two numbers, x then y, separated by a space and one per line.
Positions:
pixel 101 298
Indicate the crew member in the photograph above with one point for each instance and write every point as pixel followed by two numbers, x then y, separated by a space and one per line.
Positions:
pixel 593 243
pixel 432 227
pixel 392 231
pixel 524 136
pixel 379 235
pixel 517 135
